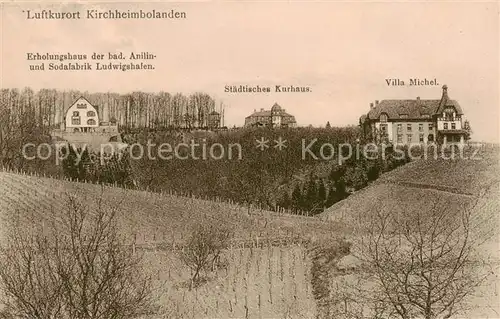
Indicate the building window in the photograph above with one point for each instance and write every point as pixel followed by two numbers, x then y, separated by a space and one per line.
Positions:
pixel 453 126
pixel 400 138
pixel 408 138
pixel 420 127
pixel 445 125
pixel 76 113
pixel 91 122
pixel 431 126
pixel 449 113
pixel 81 106
pixel 408 127
pixel 383 127
pixel 90 113
pixel 400 127
pixel 421 138
pixel 75 121
pixel 430 138
pixel 383 117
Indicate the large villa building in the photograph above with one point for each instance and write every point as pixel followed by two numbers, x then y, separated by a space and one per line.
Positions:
pixel 415 121
pixel 276 117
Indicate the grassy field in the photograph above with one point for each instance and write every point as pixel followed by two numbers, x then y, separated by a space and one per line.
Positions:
pixel 267 273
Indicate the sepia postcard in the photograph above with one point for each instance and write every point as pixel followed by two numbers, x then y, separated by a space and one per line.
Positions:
pixel 249 159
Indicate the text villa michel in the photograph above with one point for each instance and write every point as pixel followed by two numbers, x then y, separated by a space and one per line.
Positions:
pixel 104 14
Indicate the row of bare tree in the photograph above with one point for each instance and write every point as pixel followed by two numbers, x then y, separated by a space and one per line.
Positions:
pixel 133 110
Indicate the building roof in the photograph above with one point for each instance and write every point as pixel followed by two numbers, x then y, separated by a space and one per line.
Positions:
pixel 413 109
pixel 260 113
pixel 96 107
pixel 275 107
pixel 267 113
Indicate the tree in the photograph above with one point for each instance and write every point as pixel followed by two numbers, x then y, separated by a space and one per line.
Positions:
pixel 337 192
pixel 74 266
pixel 204 247
pixel 285 200
pixel 73 167
pixel 374 168
pixel 115 170
pixel 19 125
pixel 420 264
pixel 297 200
pixel 336 173
pixel 356 177
pixel 322 193
pixel 331 198
pixel 311 193
pixel 468 130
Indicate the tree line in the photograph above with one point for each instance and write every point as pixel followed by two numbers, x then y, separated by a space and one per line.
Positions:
pixel 316 193
pixel 272 179
pixel 133 110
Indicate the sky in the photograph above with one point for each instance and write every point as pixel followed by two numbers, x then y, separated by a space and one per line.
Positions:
pixel 344 51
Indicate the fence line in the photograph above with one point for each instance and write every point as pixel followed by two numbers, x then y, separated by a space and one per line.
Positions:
pixel 251 208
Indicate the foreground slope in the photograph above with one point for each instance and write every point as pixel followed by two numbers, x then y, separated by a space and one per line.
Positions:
pixel 152 217
pixel 267 273
pixel 429 185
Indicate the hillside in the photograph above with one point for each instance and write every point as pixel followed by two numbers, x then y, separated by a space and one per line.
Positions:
pixel 433 185
pixel 154 217
pixel 473 176
pixel 268 268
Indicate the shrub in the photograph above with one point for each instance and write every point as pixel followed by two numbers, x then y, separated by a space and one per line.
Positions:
pixel 204 247
pixel 76 267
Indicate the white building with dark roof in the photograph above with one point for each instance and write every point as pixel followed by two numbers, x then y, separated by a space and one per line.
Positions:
pixel 84 117
pixel 275 117
pixel 415 121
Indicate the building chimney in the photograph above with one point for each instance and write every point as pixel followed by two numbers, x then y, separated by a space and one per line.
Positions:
pixel 418 98
pixel 445 89
pixel 371 106
pixel 376 102
pixel 262 110
pixel 445 93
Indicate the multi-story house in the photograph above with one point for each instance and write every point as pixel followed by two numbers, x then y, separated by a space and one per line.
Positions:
pixel 84 117
pixel 415 121
pixel 276 117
